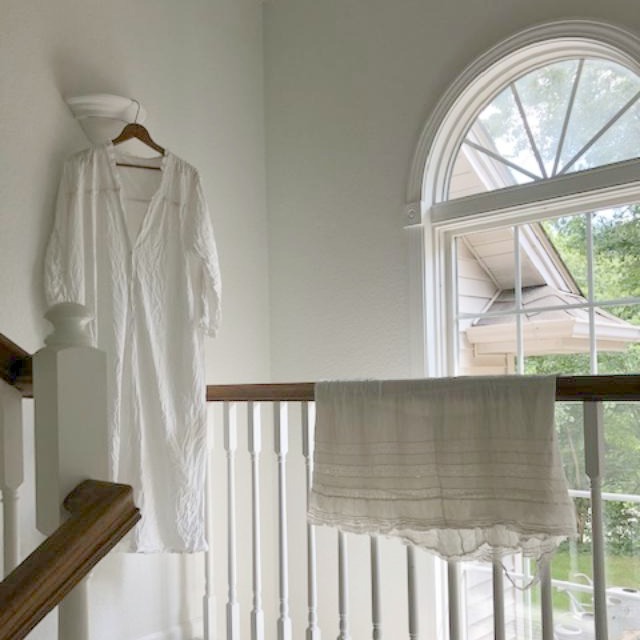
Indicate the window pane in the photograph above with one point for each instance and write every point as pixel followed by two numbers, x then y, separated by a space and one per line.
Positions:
pixel 572 364
pixel 604 88
pixel 465 177
pixel 623 567
pixel 620 142
pixel 500 129
pixel 616 248
pixel 618 337
pixel 545 97
pixel 476 282
pixel 568 235
pixel 622 447
pixel 570 434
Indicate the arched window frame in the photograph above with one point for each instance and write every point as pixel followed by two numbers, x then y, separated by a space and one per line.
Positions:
pixel 434 221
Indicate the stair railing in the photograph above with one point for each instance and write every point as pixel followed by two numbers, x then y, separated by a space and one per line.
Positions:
pixel 276 399
pixel 101 514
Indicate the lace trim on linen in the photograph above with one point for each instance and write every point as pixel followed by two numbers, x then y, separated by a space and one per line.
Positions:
pixel 482 544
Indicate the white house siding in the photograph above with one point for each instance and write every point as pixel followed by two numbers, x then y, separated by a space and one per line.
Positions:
pixel 475 290
pixel 478 611
pixel 476 286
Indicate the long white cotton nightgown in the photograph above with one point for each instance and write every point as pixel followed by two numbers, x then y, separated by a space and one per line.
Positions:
pixel 137 248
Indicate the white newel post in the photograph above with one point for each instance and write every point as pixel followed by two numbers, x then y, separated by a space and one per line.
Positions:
pixel 71 440
pixel 11 471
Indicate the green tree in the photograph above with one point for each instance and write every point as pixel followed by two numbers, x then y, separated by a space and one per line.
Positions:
pixel 616 250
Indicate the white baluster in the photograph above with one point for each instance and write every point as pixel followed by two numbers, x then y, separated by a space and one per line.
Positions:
pixel 73 613
pixel 498 601
pixel 231 445
pixel 308 424
pixel 11 471
pixel 594 463
pixel 209 604
pixel 453 580
pixel 546 602
pixel 414 627
pixel 255 447
pixel 281 448
pixel 343 586
pixel 376 589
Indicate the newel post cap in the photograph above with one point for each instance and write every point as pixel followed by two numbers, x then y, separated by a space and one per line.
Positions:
pixel 70 322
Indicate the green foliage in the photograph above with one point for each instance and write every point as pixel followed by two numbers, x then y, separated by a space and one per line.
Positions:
pixel 621 570
pixel 542 98
pixel 623 528
pixel 616 249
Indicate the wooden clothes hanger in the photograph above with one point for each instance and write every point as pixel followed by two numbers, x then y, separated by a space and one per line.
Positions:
pixel 135 130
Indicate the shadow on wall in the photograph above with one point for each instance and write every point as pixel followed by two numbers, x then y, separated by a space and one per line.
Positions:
pixel 71 73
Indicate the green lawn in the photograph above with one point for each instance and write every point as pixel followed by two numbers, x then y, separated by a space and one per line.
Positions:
pixel 622 571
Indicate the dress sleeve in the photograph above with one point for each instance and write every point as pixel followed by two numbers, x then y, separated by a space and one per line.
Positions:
pixel 63 272
pixel 201 242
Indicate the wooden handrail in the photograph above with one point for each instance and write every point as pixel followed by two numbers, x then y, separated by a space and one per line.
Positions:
pixel 568 388
pixel 101 514
pixel 281 392
pixel 15 366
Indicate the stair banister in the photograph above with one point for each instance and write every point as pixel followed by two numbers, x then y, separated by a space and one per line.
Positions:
pixel 71 436
pixel 101 514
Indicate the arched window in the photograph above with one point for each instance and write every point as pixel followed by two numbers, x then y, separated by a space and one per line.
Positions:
pixel 538 139
pixel 527 181
pixel 565 116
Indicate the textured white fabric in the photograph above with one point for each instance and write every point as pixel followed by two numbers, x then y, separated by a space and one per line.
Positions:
pixel 137 247
pixel 465 467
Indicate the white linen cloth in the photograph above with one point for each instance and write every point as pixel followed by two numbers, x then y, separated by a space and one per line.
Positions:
pixel 465 467
pixel 137 248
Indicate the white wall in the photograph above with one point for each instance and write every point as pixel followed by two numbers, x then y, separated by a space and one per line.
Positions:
pixel 197 68
pixel 350 84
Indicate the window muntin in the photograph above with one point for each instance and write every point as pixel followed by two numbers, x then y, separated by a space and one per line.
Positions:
pixel 516 282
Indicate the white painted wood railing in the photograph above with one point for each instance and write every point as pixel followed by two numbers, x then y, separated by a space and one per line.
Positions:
pixel 334 575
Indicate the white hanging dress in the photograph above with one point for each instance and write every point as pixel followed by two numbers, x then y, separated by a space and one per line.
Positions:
pixel 137 248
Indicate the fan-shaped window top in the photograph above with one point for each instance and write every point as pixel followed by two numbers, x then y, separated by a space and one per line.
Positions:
pixel 564 117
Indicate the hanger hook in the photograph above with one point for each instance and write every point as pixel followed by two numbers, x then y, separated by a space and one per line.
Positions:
pixel 135 120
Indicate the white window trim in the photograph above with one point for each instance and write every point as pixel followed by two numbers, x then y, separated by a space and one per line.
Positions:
pixel 476 214
pixel 432 222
